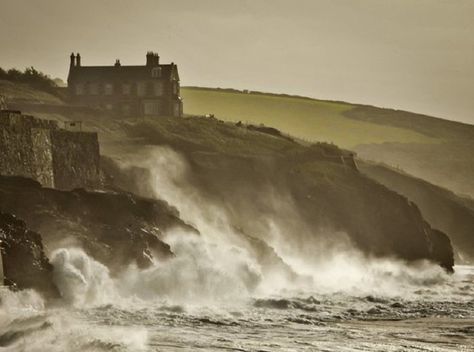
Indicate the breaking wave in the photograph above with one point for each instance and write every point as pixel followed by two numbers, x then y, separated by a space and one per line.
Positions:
pixel 223 285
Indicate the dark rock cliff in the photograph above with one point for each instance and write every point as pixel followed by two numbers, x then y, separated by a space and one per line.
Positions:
pixel 329 199
pixel 116 228
pixel 25 264
pixel 443 209
pixel 315 200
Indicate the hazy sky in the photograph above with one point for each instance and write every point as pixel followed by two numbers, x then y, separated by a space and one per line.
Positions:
pixel 416 55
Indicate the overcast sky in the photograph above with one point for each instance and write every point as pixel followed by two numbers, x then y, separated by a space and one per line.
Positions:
pixel 416 55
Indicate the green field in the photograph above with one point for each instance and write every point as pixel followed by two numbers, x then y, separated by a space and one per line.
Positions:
pixel 308 119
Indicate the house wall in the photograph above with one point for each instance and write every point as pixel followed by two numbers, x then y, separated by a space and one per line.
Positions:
pixel 142 91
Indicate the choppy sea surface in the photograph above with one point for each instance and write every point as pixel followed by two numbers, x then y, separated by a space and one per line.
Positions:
pixel 436 316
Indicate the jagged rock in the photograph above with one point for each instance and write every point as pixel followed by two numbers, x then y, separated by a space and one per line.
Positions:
pixel 25 264
pixel 116 228
pixel 441 249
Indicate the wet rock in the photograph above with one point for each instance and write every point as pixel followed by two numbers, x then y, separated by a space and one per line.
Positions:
pixel 25 265
pixel 116 228
pixel 374 299
pixel 373 311
pixel 273 303
pixel 441 249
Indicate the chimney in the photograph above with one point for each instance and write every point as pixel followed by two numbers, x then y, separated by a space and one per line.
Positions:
pixel 150 57
pixel 78 60
pixel 117 63
pixel 73 60
pixel 156 59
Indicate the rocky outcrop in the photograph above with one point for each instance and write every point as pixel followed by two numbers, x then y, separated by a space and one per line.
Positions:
pixel 443 209
pixel 116 228
pixel 25 264
pixel 441 249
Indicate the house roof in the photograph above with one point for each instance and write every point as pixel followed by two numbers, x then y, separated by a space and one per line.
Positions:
pixel 119 73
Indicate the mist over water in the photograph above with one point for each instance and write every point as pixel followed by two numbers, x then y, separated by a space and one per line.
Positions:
pixel 218 292
pixel 324 263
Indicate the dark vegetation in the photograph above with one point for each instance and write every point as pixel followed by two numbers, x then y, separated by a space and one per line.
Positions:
pixel 30 76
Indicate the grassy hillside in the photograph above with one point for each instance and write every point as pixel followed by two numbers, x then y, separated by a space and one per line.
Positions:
pixel 434 149
pixel 305 118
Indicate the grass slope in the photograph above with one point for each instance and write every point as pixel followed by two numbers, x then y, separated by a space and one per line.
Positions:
pixel 17 92
pixel 304 118
pixel 425 146
pixel 437 150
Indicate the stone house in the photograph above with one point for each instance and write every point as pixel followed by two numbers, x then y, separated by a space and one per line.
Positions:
pixel 147 90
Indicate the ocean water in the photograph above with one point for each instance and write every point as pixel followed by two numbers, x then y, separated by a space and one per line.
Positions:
pixel 438 316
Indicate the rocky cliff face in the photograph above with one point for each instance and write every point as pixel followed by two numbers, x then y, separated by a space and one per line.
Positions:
pixel 443 209
pixel 313 200
pixel 116 228
pixel 25 264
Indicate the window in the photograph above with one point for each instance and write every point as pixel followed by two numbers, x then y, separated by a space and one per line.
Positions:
pixel 158 88
pixel 141 89
pixel 93 88
pixel 151 108
pixel 175 87
pixel 109 89
pixel 109 106
pixel 156 72
pixel 79 89
pixel 126 89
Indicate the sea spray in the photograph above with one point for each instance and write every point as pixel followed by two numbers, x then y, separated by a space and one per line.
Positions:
pixel 81 280
pixel 221 262
pixel 201 272
pixel 26 324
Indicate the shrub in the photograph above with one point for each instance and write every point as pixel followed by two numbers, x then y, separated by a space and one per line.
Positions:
pixel 30 76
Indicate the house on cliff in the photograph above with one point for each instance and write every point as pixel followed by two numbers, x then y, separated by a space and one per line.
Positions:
pixel 41 150
pixel 148 90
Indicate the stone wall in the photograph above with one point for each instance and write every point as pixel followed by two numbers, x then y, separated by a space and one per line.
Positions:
pixel 76 159
pixel 16 152
pixel 40 150
pixel 42 157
